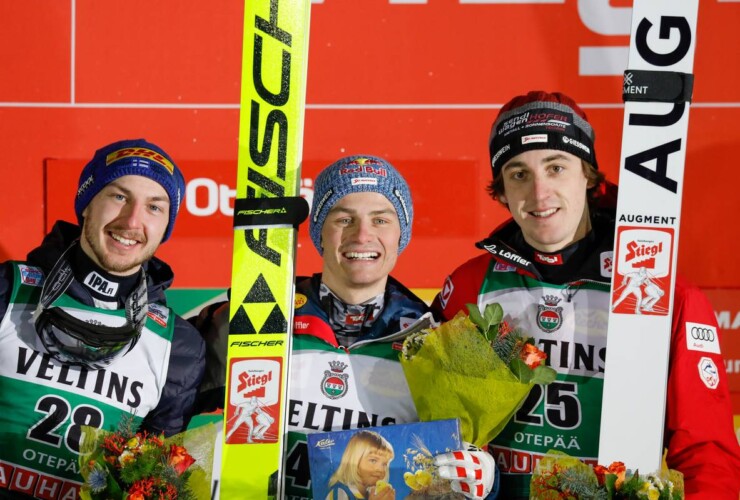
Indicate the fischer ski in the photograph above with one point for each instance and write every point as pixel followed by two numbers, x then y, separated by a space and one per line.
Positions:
pixel 657 92
pixel 267 212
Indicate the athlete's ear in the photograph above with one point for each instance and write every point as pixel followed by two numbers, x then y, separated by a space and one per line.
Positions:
pixel 502 199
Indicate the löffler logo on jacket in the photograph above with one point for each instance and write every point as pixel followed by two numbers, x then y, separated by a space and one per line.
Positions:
pixel 335 383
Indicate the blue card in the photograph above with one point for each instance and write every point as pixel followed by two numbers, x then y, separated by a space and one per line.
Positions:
pixel 354 463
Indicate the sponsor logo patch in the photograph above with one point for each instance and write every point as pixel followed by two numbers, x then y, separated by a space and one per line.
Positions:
pixel 607 263
pixel 31 275
pixel 335 383
pixel 321 204
pixel 708 373
pixel 447 289
pixel 364 166
pixel 96 282
pixel 503 267
pixel 527 139
pixel 550 260
pixel 300 300
pixel 549 315
pixel 159 314
pixel 643 272
pixel 364 181
pixel 498 154
pixel 702 338
pixel 144 154
pixel 253 413
pixel 578 144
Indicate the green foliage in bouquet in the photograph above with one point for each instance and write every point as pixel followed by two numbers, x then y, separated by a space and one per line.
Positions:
pixel 560 476
pixel 130 465
pixel 511 346
pixel 478 374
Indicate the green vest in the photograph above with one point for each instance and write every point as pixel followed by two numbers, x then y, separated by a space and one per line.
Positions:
pixel 569 324
pixel 45 403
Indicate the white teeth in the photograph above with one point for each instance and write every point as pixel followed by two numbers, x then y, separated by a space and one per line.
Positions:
pixel 545 213
pixel 123 240
pixel 361 255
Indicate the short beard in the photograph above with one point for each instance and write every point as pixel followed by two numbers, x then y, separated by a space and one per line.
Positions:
pixel 109 265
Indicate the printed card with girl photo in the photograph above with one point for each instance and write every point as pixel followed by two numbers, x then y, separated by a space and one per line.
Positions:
pixel 389 462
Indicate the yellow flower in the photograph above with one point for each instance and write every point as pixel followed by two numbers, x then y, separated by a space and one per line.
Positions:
pixel 126 457
pixel 649 491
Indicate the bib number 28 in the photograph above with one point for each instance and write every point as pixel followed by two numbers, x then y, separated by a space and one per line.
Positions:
pixel 63 423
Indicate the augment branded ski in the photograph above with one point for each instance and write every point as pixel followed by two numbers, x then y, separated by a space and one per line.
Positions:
pixel 267 212
pixel 657 92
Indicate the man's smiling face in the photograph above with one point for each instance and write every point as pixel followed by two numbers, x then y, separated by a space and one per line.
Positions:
pixel 545 191
pixel 125 223
pixel 360 240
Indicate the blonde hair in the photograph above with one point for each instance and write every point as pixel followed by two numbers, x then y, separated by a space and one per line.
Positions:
pixel 359 445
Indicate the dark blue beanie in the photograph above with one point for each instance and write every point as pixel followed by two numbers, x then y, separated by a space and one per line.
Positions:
pixel 131 157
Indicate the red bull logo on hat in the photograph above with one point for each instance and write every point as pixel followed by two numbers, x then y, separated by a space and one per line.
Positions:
pixel 364 166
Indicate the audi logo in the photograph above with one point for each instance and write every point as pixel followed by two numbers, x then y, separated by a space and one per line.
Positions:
pixel 698 333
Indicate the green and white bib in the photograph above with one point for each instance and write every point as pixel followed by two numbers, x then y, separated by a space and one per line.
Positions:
pixel 45 403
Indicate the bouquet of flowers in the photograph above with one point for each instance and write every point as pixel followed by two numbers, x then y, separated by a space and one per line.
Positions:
pixel 476 368
pixel 130 465
pixel 559 476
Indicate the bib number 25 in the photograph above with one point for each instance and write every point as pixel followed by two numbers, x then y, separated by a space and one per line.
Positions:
pixel 562 408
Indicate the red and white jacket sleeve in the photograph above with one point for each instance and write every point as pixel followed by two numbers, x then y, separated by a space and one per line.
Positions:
pixel 460 288
pixel 699 430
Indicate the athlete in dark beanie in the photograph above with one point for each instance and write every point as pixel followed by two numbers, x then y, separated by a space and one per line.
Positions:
pixel 550 268
pixel 87 337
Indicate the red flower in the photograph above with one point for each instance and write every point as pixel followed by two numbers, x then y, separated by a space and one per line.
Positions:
pixel 141 489
pixel 504 328
pixel 179 459
pixel 619 470
pixel 115 443
pixel 601 473
pixel 532 356
pixel 170 492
